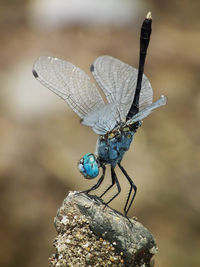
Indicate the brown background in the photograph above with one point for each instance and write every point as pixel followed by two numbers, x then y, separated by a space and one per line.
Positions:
pixel 41 140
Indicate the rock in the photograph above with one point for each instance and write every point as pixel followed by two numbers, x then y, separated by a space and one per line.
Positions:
pixel 92 234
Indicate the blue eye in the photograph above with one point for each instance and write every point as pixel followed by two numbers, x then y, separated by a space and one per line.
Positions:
pixel 88 166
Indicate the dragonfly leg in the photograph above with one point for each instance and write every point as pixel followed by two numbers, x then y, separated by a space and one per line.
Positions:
pixel 98 183
pixel 114 180
pixel 133 187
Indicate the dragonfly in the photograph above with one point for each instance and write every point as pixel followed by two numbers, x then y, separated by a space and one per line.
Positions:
pixel 128 95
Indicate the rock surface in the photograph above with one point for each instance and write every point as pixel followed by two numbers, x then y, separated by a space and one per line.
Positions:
pixel 92 234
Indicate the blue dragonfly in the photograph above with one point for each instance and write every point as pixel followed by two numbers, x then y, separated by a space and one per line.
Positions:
pixel 128 95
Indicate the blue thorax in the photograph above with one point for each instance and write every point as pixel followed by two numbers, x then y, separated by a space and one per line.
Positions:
pixel 111 148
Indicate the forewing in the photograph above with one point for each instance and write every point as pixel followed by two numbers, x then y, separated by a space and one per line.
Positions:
pixel 70 83
pixel 118 82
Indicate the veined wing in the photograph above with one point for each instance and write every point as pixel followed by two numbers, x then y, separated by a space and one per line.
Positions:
pixel 70 83
pixel 118 82
pixel 103 119
pixel 147 111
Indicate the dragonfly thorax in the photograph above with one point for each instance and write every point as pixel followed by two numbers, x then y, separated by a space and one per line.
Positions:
pixel 121 128
pixel 112 146
pixel 110 150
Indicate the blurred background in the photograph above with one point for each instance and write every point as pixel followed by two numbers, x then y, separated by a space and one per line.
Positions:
pixel 42 140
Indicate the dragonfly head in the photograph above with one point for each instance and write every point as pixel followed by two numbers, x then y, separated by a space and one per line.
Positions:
pixel 89 166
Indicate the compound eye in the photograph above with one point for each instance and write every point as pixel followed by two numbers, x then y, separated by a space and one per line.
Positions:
pixel 88 166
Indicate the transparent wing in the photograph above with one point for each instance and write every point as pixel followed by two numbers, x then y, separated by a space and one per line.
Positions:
pixel 118 82
pixel 70 83
pixel 147 111
pixel 102 120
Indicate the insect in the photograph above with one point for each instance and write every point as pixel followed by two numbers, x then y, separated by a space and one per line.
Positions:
pixel 129 100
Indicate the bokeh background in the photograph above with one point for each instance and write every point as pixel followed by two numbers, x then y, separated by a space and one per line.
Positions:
pixel 41 139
